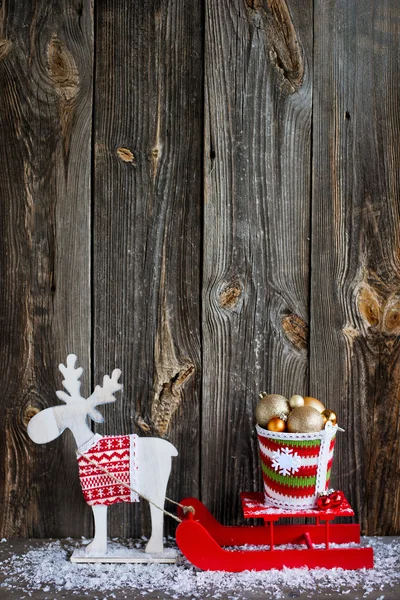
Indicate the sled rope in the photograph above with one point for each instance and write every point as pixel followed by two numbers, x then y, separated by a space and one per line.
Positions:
pixel 185 509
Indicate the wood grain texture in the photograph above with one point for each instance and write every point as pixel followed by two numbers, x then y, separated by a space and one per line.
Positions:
pixel 256 228
pixel 45 128
pixel 147 233
pixel 354 344
pixel 188 245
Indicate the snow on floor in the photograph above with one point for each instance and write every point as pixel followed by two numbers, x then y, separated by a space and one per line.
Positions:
pixel 48 568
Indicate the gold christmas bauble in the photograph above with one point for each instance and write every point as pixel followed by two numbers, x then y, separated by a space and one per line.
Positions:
pixel 296 401
pixel 269 406
pixel 329 415
pixel 305 419
pixel 276 424
pixel 309 401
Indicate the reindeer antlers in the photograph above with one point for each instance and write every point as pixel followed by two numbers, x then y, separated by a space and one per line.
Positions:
pixel 71 380
pixel 101 395
pixel 104 395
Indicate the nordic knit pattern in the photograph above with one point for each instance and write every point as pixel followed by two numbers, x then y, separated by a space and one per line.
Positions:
pixel 117 454
pixel 297 482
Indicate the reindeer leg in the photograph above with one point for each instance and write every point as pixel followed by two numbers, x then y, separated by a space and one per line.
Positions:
pixel 98 546
pixel 155 543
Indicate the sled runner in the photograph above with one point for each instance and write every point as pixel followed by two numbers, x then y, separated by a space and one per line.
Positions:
pixel 201 538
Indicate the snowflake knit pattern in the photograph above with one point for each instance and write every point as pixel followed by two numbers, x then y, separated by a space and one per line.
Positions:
pixel 295 467
pixel 118 455
pixel 285 461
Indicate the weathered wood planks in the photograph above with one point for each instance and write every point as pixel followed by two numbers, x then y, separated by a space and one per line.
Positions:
pixel 355 302
pixel 188 245
pixel 45 114
pixel 258 59
pixel 147 226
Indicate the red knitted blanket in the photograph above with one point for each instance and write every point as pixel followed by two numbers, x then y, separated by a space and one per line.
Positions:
pixel 116 454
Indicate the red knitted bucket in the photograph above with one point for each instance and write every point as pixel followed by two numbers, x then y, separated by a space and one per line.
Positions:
pixel 296 467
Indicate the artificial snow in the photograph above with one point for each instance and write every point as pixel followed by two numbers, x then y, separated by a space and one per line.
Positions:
pixel 47 568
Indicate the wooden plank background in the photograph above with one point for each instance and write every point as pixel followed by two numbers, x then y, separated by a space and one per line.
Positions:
pixel 257 187
pixel 206 195
pixel 355 276
pixel 45 309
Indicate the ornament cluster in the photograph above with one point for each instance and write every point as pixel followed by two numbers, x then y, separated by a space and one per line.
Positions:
pixel 297 415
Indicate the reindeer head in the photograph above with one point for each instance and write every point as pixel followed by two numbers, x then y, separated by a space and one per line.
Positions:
pixel 51 422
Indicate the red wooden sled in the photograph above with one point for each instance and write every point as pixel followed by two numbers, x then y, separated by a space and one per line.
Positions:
pixel 201 538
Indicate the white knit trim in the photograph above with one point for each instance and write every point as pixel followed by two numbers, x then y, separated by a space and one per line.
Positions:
pixel 274 435
pixel 324 456
pixel 89 444
pixel 283 501
pixel 133 465
pixel 330 430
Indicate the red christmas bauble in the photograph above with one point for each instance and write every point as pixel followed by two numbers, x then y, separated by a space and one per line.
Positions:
pixel 336 499
pixel 323 502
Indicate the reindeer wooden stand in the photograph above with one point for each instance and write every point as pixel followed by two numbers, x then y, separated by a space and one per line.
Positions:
pixel 112 468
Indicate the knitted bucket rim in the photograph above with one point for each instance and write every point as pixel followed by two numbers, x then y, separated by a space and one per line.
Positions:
pixel 329 431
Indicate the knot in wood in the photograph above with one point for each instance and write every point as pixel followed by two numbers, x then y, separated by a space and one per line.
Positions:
pixel 369 305
pixel 29 413
pixel 281 38
pixel 169 397
pixel 62 69
pixel 296 330
pixel 125 155
pixel 392 318
pixel 379 308
pixel 230 295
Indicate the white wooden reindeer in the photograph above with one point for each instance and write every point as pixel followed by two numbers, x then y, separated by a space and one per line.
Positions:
pixel 153 455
